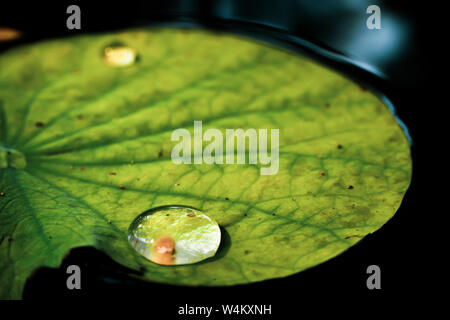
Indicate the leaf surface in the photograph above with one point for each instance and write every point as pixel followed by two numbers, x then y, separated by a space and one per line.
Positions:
pixel 85 148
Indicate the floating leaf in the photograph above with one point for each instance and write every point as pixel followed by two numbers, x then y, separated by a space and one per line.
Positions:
pixel 90 150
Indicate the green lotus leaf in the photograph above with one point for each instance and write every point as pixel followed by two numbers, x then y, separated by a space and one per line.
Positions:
pixel 85 147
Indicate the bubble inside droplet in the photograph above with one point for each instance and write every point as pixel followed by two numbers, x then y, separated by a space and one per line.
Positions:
pixel 119 55
pixel 173 235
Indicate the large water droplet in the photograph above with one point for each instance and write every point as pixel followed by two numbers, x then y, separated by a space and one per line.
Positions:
pixel 12 158
pixel 118 54
pixel 172 235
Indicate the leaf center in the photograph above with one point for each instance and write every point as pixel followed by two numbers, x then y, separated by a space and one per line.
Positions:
pixel 11 158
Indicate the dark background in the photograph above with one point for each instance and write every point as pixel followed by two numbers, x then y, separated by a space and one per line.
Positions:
pixel 389 61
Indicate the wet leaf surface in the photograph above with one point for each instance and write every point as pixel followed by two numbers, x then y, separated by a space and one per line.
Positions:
pixel 96 146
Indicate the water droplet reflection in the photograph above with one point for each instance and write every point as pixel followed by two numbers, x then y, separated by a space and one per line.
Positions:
pixel 173 235
pixel 118 54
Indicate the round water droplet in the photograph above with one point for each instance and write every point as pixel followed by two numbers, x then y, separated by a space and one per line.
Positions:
pixel 119 55
pixel 172 235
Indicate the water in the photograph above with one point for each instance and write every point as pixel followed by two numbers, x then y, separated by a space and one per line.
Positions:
pixel 118 54
pixel 174 235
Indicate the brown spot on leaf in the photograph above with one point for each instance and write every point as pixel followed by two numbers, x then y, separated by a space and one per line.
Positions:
pixel 350 187
pixel 113 174
pixel 122 187
pixel 39 124
pixel 2 194
pixel 353 236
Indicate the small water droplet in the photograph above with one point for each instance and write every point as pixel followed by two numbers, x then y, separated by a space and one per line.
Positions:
pixel 118 54
pixel 173 235
pixel 7 34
